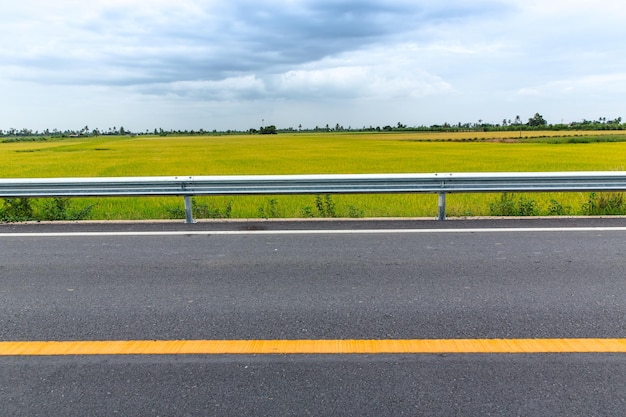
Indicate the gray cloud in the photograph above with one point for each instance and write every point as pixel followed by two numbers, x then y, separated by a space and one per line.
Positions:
pixel 126 43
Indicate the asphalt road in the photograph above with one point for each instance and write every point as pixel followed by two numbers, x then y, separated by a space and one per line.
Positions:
pixel 314 280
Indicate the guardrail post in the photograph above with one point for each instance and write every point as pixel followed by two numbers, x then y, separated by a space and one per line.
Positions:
pixel 188 210
pixel 442 206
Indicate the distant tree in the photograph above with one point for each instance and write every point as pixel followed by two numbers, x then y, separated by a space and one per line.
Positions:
pixel 268 130
pixel 537 120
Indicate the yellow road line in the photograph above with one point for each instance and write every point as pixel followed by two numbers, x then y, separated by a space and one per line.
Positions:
pixel 216 347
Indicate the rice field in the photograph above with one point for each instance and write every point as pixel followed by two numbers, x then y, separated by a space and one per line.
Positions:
pixel 314 153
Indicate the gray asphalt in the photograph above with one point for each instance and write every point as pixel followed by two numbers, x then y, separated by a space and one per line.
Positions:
pixel 506 284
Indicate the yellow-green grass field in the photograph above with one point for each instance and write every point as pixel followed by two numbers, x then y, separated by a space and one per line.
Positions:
pixel 314 153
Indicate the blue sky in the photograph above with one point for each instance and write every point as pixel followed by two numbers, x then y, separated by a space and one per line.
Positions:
pixel 231 64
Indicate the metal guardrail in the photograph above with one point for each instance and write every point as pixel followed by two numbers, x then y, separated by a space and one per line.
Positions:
pixel 441 184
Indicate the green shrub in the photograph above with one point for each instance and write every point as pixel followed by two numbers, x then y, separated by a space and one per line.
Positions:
pixel 508 206
pixel 16 210
pixel 527 207
pixel 557 209
pixel 61 209
pixel 505 206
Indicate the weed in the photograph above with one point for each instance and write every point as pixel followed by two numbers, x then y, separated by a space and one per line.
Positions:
pixel 175 212
pixel 325 206
pixel 270 209
pixel 507 206
pixel 527 207
pixel 557 209
pixel 355 212
pixel 319 204
pixel 202 211
pixel 605 204
pixel 504 207
pixel 307 212
pixel 228 210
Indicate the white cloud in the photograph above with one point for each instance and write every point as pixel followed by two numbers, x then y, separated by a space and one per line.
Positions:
pixel 609 9
pixel 358 81
pixel 589 85
pixel 234 88
pixel 374 73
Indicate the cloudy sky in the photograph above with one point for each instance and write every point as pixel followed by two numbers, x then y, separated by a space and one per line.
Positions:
pixel 234 64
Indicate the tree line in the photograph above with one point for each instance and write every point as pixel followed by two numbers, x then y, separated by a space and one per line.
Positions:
pixel 536 122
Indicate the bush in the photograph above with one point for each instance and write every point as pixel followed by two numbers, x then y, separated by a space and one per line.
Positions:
pixel 61 209
pixel 16 210
pixel 22 210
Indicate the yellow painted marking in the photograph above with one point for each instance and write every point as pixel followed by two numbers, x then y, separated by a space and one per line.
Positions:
pixel 221 347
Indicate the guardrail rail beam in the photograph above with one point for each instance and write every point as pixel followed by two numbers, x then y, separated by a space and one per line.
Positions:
pixel 438 183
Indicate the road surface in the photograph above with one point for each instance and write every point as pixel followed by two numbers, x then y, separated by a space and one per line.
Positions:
pixel 497 284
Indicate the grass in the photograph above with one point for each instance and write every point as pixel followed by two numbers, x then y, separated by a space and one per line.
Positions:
pixel 315 153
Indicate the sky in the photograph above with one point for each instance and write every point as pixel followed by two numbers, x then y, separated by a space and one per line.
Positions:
pixel 240 64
